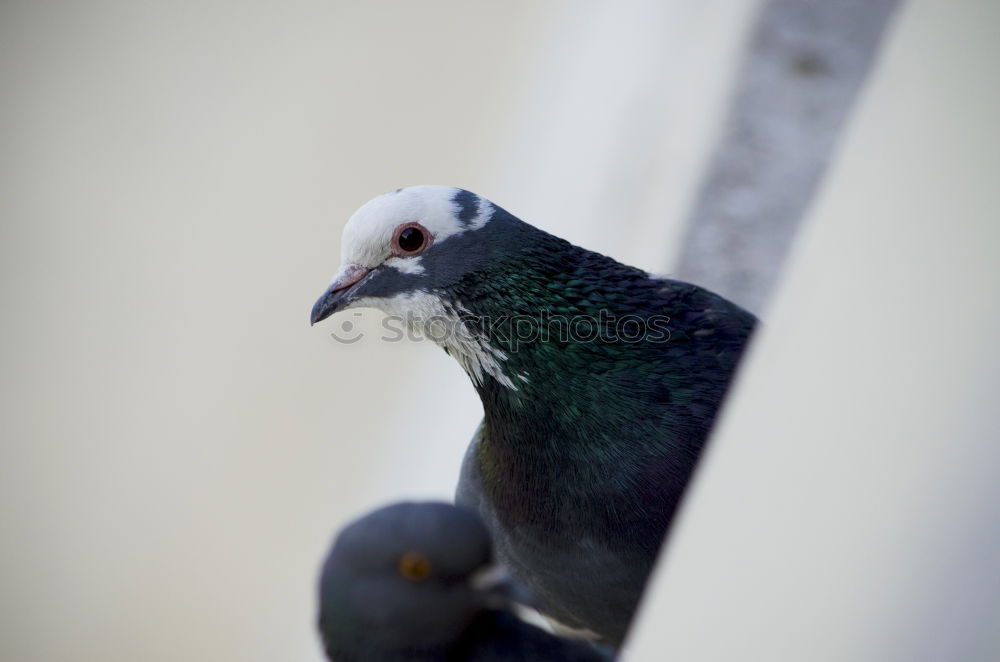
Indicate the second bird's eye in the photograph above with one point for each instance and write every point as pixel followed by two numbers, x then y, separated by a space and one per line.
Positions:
pixel 410 239
pixel 414 566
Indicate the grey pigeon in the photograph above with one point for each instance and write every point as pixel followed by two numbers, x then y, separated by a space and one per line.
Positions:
pixel 416 582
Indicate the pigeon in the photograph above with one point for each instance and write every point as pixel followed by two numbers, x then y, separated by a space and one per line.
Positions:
pixel 417 582
pixel 599 382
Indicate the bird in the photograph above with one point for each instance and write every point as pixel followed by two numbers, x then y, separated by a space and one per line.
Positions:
pixel 599 382
pixel 417 582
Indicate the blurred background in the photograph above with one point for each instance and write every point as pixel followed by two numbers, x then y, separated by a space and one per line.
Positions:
pixel 179 446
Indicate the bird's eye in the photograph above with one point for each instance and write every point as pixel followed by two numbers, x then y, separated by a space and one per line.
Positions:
pixel 414 566
pixel 410 239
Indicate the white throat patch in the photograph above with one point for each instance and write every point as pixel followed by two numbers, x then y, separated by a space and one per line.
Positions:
pixel 430 317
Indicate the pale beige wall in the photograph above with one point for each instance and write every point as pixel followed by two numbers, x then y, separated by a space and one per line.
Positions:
pixel 177 444
pixel 847 508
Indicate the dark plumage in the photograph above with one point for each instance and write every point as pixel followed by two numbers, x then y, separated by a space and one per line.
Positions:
pixel 415 582
pixel 588 441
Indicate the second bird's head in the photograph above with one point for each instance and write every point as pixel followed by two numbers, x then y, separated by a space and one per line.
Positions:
pixel 410 575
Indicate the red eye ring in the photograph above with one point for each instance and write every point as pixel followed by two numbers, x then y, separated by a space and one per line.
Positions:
pixel 410 239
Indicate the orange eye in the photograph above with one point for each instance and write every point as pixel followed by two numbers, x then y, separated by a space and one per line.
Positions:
pixel 414 566
pixel 410 239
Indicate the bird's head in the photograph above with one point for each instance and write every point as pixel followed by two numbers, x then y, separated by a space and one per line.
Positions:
pixel 428 255
pixel 410 575
pixel 401 248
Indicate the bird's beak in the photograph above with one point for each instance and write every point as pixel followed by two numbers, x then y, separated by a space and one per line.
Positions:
pixel 337 295
pixel 499 587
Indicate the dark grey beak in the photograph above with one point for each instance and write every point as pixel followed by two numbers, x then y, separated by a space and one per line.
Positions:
pixel 499 588
pixel 338 294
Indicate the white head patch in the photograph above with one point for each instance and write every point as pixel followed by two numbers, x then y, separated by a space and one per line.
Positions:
pixel 369 231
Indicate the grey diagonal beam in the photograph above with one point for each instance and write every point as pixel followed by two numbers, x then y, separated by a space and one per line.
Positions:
pixel 805 63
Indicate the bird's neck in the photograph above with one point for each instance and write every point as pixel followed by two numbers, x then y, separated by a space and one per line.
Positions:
pixel 549 360
pixel 585 369
pixel 539 312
